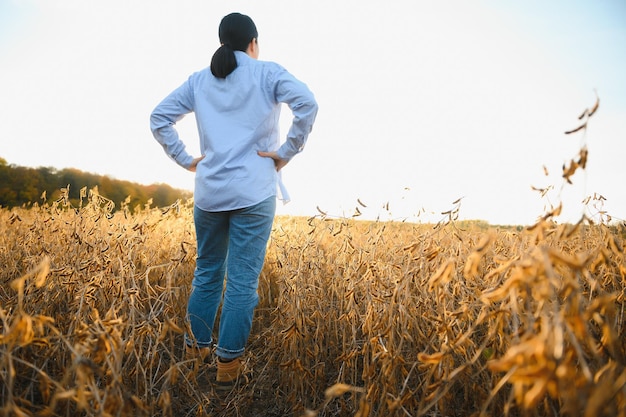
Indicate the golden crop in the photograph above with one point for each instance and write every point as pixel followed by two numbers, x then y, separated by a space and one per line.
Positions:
pixel 356 318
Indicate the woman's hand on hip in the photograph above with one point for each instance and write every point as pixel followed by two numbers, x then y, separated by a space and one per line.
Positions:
pixel 278 162
pixel 194 163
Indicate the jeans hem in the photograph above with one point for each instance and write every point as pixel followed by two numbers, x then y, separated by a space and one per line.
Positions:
pixel 195 343
pixel 228 354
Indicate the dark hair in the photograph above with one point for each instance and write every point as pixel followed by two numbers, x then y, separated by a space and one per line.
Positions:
pixel 235 33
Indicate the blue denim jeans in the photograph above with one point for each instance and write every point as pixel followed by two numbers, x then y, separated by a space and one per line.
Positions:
pixel 231 248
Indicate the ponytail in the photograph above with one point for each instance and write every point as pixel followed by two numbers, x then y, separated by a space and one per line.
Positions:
pixel 236 31
pixel 223 61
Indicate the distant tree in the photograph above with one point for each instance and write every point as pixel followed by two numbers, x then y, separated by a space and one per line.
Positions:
pixel 48 182
pixel 163 195
pixel 27 184
pixel 22 185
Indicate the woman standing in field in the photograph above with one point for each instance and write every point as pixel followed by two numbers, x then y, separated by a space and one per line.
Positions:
pixel 237 103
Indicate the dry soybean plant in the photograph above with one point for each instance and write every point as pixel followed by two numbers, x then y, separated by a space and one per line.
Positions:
pixel 356 318
pixel 414 321
pixel 90 308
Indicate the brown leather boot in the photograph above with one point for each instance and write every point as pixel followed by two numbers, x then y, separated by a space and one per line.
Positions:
pixel 197 353
pixel 228 374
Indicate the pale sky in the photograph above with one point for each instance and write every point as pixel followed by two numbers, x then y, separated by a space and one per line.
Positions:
pixel 421 102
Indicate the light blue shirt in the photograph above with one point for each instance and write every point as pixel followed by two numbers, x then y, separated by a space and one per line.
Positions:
pixel 236 117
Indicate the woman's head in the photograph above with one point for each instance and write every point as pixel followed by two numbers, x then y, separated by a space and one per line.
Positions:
pixel 236 31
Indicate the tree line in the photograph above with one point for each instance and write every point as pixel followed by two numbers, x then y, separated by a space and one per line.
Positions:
pixel 23 185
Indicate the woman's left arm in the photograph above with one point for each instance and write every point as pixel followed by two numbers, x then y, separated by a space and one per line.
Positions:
pixel 163 120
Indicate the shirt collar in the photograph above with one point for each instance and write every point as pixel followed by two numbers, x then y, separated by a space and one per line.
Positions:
pixel 242 57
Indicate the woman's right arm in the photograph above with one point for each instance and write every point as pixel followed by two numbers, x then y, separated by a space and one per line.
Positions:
pixel 303 106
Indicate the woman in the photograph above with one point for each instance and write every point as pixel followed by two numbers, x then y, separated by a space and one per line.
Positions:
pixel 237 103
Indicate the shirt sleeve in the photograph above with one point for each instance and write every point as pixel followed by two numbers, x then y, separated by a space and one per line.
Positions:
pixel 303 106
pixel 164 118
